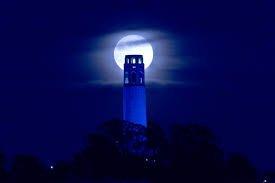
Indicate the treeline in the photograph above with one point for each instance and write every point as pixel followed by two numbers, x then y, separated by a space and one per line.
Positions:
pixel 123 151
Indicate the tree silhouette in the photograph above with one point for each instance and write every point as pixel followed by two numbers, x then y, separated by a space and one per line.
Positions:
pixel 130 140
pixel 239 169
pixel 195 154
pixel 61 172
pixel 3 173
pixel 129 137
pixel 156 141
pixel 99 159
pixel 28 168
pixel 120 150
pixel 268 176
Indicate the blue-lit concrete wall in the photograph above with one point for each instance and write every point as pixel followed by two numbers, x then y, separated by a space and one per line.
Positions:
pixel 134 104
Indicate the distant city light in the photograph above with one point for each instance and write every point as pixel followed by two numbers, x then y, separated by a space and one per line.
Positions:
pixel 51 167
pixel 265 180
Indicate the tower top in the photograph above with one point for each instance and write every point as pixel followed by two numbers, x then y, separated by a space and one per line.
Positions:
pixel 133 70
pixel 133 59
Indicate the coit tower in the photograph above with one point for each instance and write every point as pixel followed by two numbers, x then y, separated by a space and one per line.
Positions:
pixel 134 97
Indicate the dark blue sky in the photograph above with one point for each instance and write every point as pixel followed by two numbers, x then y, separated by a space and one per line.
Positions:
pixel 50 97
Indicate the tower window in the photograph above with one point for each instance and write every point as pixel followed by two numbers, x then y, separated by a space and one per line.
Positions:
pixel 139 60
pixel 126 81
pixel 141 75
pixel 127 60
pixel 133 77
pixel 134 60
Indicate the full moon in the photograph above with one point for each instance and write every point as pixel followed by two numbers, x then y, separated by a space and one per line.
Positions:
pixel 133 45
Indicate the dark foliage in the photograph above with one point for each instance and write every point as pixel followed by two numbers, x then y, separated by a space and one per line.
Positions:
pixel 61 172
pixel 98 159
pixel 3 173
pixel 194 152
pixel 28 168
pixel 122 150
pixel 239 169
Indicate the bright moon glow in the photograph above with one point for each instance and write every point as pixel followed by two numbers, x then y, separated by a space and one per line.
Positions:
pixel 133 45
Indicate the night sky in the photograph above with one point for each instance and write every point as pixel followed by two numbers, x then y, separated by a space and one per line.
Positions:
pixel 213 64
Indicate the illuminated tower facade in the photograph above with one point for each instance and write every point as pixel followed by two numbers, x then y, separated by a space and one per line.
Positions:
pixel 134 98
